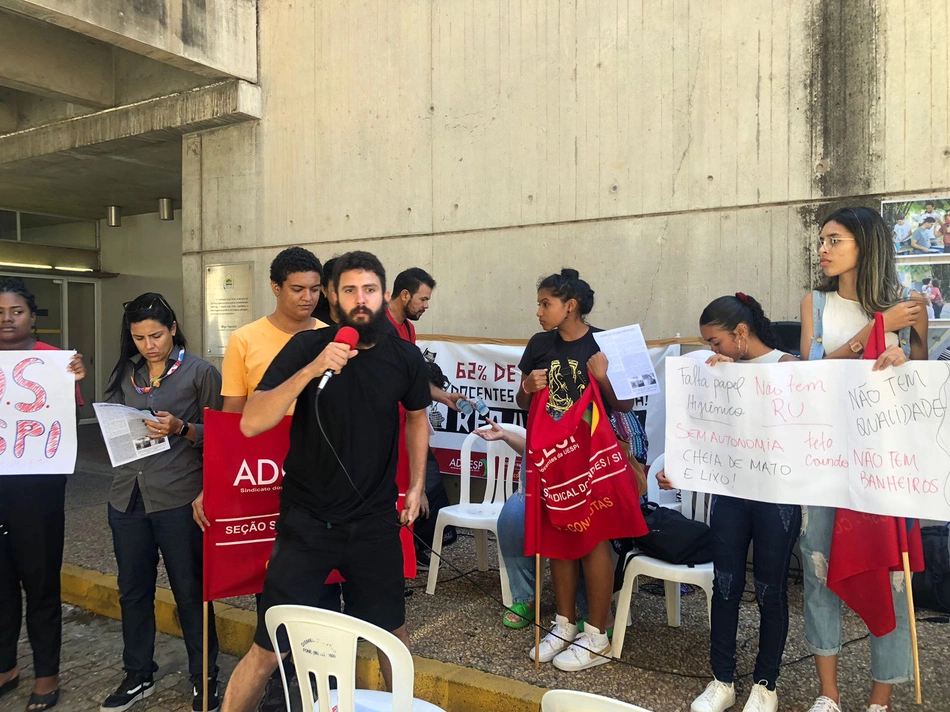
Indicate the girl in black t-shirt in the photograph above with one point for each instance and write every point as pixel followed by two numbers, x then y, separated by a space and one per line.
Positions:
pixel 562 358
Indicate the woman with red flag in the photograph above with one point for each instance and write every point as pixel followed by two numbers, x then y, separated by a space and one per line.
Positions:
pixel 581 491
pixel 737 330
pixel 859 280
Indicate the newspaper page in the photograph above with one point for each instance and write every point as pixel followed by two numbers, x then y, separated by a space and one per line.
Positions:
pixel 629 367
pixel 126 436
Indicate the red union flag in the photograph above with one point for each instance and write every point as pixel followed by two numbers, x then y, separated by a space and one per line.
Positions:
pixel 581 490
pixel 242 480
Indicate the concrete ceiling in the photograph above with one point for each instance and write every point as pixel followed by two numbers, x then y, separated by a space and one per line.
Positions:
pixel 129 156
pixel 132 172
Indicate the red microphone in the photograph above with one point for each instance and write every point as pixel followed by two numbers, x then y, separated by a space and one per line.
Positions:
pixel 346 335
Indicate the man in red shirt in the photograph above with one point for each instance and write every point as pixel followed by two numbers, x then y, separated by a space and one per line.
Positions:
pixel 412 292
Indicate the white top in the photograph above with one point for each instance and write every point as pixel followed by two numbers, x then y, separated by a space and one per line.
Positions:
pixel 843 319
pixel 773 356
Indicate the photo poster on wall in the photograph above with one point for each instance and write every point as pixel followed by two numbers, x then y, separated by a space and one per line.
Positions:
pixel 920 228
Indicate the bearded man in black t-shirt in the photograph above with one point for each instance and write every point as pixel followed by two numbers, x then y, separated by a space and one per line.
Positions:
pixel 339 489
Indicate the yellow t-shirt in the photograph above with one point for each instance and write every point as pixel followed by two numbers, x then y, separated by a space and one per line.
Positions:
pixel 250 351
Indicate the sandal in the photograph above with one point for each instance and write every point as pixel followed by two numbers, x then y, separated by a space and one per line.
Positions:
pixel 39 703
pixel 524 612
pixel 9 685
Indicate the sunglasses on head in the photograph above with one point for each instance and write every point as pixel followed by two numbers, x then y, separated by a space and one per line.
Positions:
pixel 145 304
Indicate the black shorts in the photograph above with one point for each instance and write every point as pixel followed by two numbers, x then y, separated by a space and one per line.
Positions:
pixel 367 552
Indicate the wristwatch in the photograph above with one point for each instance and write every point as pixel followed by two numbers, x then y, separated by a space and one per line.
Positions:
pixel 184 430
pixel 855 346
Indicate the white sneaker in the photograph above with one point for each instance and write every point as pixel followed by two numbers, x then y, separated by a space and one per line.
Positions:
pixel 717 696
pixel 824 704
pixel 590 649
pixel 557 640
pixel 877 708
pixel 761 699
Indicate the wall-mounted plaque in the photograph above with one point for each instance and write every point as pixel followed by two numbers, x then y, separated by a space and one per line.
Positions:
pixel 228 303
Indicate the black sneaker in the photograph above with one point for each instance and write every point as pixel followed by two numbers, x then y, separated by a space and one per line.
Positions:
pixel 422 560
pixel 196 692
pixel 134 688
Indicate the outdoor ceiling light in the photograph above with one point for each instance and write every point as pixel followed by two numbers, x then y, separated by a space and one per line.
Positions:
pixel 27 265
pixel 166 209
pixel 75 269
pixel 114 216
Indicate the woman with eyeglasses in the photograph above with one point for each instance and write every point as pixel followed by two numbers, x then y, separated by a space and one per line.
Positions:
pixel 859 279
pixel 32 522
pixel 150 501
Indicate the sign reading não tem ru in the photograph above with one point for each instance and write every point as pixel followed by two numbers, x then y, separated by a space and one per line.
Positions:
pixel 832 433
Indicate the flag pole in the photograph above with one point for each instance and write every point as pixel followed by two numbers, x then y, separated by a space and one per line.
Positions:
pixel 908 588
pixel 909 591
pixel 537 611
pixel 204 656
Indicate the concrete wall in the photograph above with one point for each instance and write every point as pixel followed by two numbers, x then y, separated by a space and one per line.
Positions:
pixel 670 151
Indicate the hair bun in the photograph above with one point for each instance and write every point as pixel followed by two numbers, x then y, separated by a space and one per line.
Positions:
pixel 570 273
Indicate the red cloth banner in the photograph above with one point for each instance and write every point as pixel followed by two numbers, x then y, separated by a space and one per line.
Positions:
pixel 242 481
pixel 581 489
pixel 866 548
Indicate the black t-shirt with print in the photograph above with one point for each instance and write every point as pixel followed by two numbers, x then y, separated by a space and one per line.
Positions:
pixel 360 414
pixel 566 364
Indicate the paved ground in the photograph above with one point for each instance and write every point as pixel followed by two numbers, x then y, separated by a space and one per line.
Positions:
pixel 92 667
pixel 662 669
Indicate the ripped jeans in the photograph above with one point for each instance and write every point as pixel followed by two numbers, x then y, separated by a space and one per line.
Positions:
pixel 891 657
pixel 772 529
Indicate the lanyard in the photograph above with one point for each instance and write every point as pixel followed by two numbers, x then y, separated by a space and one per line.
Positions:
pixel 156 382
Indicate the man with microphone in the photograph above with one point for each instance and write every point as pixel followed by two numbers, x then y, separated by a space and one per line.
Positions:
pixel 338 513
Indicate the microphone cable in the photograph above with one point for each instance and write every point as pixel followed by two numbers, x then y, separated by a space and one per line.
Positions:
pixel 547 631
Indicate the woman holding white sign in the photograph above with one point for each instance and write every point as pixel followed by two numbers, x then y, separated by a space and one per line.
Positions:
pixel 150 500
pixel 737 330
pixel 859 279
pixel 32 525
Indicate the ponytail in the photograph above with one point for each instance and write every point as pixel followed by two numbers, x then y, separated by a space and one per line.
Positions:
pixel 730 311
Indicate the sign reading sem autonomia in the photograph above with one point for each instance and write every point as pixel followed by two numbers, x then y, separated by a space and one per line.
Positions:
pixel 831 433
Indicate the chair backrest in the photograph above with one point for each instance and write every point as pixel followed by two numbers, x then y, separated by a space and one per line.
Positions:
pixel 324 643
pixel 693 505
pixel 571 701
pixel 696 505
pixel 500 468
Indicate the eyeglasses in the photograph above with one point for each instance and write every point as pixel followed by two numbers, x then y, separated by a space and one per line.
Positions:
pixel 145 304
pixel 831 242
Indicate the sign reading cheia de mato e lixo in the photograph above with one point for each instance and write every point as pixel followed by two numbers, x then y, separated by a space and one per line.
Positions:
pixel 37 413
pixel 832 433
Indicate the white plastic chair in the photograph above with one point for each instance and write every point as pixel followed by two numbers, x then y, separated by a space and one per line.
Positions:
pixel 694 505
pixel 324 643
pixel 571 701
pixel 481 517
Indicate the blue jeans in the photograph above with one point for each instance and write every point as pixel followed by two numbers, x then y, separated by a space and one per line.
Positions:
pixel 891 657
pixel 521 567
pixel 137 538
pixel 772 529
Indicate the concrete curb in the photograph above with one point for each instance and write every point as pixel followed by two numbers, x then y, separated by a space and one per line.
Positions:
pixel 451 687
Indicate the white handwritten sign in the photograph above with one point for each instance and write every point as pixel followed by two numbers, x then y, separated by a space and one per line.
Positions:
pixel 830 433
pixel 37 413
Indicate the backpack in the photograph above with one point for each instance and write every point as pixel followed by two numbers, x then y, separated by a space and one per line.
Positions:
pixel 674 538
pixel 931 586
